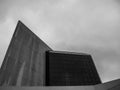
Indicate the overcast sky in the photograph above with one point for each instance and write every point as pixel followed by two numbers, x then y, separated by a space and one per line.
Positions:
pixel 88 26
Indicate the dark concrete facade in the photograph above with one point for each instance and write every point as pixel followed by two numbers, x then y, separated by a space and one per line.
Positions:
pixel 24 63
pixel 70 69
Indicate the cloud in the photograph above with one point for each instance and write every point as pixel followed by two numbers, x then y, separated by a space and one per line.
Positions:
pixel 6 32
pixel 110 70
pixel 90 26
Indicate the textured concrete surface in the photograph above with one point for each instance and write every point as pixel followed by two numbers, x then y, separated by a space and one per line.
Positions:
pixel 24 63
pixel 112 85
pixel 50 88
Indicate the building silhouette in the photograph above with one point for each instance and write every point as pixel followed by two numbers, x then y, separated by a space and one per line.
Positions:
pixel 24 63
pixel 30 62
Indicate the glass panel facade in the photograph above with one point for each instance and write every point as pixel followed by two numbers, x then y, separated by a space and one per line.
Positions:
pixel 70 69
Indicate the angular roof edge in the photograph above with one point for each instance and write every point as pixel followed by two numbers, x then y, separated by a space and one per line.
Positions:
pixel 67 52
pixel 30 31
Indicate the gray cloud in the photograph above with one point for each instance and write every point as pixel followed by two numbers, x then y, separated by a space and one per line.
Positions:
pixel 90 26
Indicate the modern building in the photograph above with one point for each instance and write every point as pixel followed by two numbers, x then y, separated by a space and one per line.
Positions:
pixel 30 62
pixel 24 63
pixel 70 69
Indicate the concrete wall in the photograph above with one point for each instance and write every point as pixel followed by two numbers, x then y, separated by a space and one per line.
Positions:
pixel 49 88
pixel 112 85
pixel 24 63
